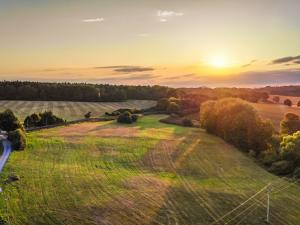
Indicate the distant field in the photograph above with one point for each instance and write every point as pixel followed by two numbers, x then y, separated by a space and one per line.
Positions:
pixel 146 173
pixel 294 99
pixel 274 112
pixel 70 110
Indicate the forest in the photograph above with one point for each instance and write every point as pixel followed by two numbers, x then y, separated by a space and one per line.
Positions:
pixel 37 91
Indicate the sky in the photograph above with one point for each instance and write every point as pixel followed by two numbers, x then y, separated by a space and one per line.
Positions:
pixel 179 43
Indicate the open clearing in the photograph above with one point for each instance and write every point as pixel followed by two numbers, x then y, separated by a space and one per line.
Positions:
pixel 146 173
pixel 70 110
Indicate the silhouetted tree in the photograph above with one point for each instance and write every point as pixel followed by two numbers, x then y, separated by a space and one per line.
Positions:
pixel 276 99
pixel 290 124
pixel 287 102
pixel 9 122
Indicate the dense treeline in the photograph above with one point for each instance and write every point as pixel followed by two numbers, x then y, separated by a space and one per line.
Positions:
pixel 18 90
pixel 282 90
pixel 248 94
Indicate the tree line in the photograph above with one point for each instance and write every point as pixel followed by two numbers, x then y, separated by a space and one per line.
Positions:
pixel 238 123
pixel 37 91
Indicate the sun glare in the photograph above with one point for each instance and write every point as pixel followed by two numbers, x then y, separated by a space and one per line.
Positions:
pixel 219 61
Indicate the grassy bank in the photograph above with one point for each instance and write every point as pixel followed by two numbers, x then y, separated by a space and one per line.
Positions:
pixel 145 173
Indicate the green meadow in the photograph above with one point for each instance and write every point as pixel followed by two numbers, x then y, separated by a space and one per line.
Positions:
pixel 145 173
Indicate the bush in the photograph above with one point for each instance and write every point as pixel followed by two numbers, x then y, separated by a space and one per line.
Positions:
pixel 282 167
pixel 162 104
pixel 288 102
pixel 134 118
pixel 187 122
pixel 236 122
pixel 9 122
pixel 290 124
pixel 276 99
pixel 269 157
pixel 42 119
pixel 17 139
pixel 88 115
pixel 290 148
pixel 32 120
pixel 173 108
pixel 298 104
pixel 296 173
pixel 127 117
pixel 123 110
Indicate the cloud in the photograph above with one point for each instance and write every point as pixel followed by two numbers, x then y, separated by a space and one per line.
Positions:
pixel 93 20
pixel 286 59
pixel 165 15
pixel 190 75
pixel 248 64
pixel 126 69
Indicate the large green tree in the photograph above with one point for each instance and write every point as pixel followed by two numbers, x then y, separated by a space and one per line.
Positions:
pixel 9 122
pixel 237 122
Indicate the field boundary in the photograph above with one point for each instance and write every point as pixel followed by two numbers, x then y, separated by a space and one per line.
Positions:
pixel 69 123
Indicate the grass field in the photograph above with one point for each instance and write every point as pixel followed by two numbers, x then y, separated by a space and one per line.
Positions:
pixel 146 173
pixel 70 110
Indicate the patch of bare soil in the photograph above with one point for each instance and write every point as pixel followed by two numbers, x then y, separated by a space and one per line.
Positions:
pixel 138 205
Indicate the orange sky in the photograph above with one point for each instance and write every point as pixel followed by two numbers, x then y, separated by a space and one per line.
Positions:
pixel 177 43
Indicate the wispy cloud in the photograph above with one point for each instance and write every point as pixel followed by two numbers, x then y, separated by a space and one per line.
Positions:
pixel 165 15
pixel 248 64
pixel 291 59
pixel 126 69
pixel 93 20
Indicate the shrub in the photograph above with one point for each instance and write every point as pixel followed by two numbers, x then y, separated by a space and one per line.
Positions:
pixel 287 102
pixel 290 148
pixel 298 104
pixel 296 173
pixel 88 115
pixel 32 120
pixel 173 108
pixel 269 157
pixel 134 118
pixel 290 124
pixel 9 122
pixel 42 119
pixel 127 117
pixel 282 167
pixel 18 139
pixel 236 122
pixel 48 118
pixel 122 110
pixel 187 122
pixel 162 104
pixel 276 99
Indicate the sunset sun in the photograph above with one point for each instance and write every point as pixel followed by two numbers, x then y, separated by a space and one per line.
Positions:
pixel 219 61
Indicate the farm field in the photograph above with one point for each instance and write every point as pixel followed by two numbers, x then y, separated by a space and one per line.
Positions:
pixel 274 112
pixel 70 110
pixel 294 99
pixel 145 173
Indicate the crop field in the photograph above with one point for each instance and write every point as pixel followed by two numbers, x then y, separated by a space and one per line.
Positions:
pixel 274 112
pixel 146 173
pixel 294 99
pixel 70 110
